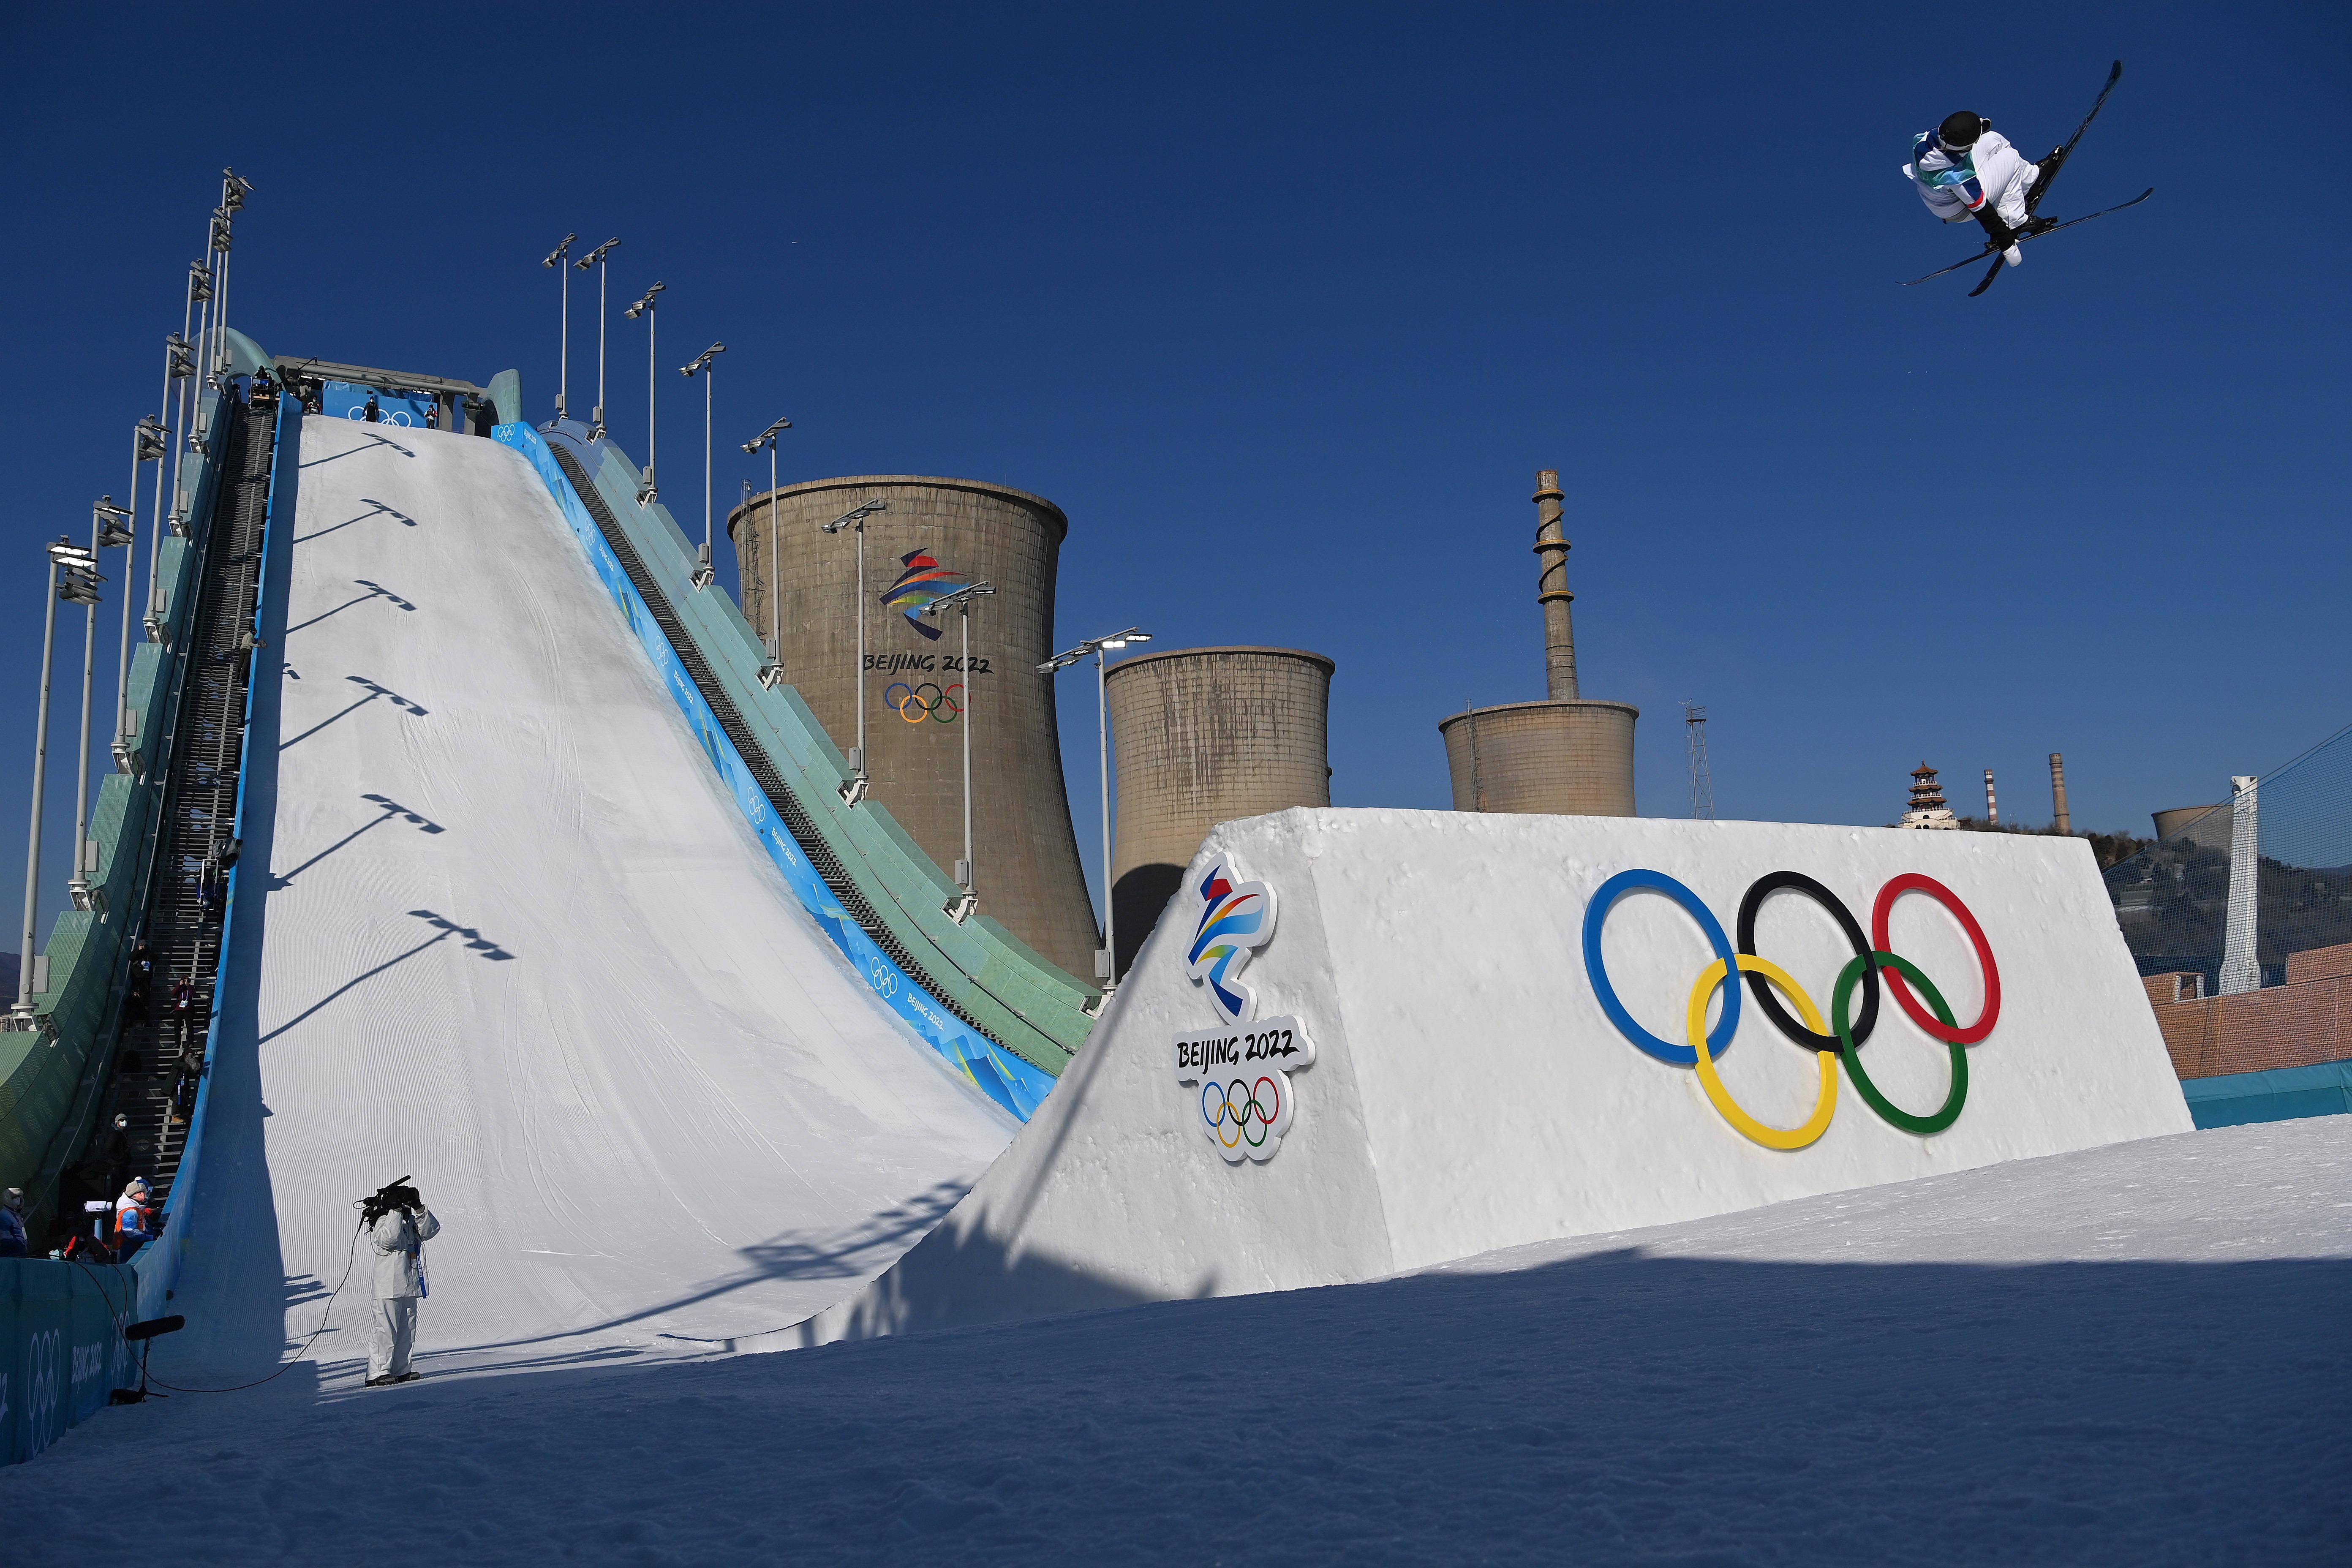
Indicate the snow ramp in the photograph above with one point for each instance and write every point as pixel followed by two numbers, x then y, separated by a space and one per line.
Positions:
pixel 1459 1033
pixel 512 938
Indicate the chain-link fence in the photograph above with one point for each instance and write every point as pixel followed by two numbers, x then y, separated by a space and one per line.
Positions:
pixel 2240 920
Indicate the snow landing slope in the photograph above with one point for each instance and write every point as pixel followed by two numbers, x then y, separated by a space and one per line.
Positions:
pixel 515 940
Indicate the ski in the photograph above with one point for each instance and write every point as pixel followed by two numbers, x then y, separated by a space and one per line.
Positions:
pixel 2057 160
pixel 2037 234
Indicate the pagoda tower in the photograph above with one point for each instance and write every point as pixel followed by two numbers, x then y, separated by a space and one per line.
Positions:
pixel 1928 807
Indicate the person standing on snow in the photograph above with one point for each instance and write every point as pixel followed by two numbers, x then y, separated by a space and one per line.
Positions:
pixel 399 1236
pixel 1965 169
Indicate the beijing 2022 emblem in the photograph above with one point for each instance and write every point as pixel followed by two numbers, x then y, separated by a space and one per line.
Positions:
pixel 1245 1100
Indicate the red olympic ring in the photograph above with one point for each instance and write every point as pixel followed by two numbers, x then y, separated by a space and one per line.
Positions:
pixel 1914 882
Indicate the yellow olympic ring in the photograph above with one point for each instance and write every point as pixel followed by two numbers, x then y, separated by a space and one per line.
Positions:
pixel 1823 1109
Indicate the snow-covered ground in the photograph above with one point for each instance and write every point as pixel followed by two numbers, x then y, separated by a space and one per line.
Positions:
pixel 500 928
pixel 2132 1354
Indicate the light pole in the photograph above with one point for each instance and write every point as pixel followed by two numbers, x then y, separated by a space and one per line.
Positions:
pixel 1106 961
pixel 775 670
pixel 704 568
pixel 149 439
pixel 855 790
pixel 235 188
pixel 959 909
pixel 75 560
pixel 106 529
pixel 596 259
pixel 221 237
pixel 646 492
pixel 180 365
pixel 556 259
pixel 200 288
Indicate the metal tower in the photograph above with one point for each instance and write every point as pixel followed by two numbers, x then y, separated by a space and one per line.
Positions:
pixel 1702 787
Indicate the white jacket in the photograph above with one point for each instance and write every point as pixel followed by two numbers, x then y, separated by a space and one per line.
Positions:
pixel 1956 188
pixel 399 1239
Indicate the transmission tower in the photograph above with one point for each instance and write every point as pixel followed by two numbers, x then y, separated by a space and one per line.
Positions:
pixel 1702 786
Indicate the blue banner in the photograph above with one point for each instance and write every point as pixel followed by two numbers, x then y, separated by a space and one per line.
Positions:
pixel 343 399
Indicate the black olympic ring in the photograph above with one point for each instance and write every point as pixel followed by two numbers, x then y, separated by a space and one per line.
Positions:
pixel 1765 887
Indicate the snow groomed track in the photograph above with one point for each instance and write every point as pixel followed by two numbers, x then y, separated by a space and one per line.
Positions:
pixel 511 936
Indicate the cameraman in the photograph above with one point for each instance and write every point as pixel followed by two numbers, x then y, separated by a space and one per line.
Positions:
pixel 399 1233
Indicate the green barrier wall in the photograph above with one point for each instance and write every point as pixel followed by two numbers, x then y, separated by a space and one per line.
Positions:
pixel 61 1332
pixel 1030 1006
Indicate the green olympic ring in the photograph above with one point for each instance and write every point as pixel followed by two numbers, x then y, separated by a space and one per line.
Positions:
pixel 1851 1053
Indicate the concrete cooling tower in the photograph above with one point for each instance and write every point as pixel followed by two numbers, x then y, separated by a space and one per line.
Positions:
pixel 1206 735
pixel 934 536
pixel 1567 754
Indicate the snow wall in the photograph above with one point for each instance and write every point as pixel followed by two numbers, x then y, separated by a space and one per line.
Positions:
pixel 1469 1092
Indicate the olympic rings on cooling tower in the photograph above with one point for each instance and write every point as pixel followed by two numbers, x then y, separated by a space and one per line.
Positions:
pixel 1260 1114
pixel 925 701
pixel 1846 1035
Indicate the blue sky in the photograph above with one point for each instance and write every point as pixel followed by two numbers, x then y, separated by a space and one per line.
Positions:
pixel 1286 306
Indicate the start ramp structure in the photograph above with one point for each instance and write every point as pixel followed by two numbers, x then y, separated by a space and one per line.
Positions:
pixel 1469 1089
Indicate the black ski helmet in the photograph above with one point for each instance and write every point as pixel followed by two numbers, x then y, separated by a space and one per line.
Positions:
pixel 1960 129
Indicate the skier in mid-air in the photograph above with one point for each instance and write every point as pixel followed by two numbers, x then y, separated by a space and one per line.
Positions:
pixel 1965 169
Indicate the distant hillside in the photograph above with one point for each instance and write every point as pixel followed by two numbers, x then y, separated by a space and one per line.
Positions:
pixel 2108 848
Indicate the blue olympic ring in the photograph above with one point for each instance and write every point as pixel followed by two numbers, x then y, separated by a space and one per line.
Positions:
pixel 1596 915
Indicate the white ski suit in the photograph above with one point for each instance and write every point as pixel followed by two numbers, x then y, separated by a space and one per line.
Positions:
pixel 1956 187
pixel 399 1239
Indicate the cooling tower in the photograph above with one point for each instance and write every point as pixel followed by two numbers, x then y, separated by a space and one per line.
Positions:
pixel 2168 822
pixel 1563 758
pixel 1206 735
pixel 1569 754
pixel 935 535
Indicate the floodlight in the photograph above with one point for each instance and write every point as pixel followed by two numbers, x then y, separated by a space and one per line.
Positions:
pixel 767 438
pixel 561 251
pixel 857 516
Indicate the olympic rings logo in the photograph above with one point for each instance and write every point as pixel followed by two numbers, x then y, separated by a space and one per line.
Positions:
pixel 916 703
pixel 1842 1039
pixel 1257 1115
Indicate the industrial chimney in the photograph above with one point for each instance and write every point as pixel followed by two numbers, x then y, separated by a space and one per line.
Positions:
pixel 1206 735
pixel 1566 755
pixel 2058 793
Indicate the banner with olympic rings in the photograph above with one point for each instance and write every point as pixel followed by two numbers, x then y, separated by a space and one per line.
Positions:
pixel 1838 1042
pixel 1246 1101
